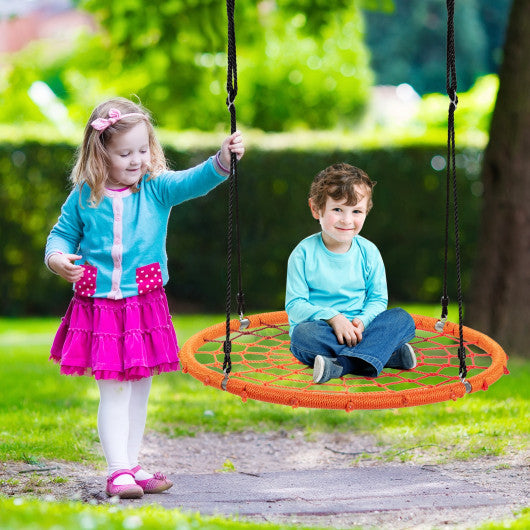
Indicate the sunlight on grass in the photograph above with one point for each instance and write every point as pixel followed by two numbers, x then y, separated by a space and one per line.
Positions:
pixel 21 514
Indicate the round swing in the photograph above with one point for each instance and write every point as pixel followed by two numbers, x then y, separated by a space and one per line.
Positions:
pixel 250 356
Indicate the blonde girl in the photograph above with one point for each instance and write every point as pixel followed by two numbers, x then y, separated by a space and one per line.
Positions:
pixel 109 242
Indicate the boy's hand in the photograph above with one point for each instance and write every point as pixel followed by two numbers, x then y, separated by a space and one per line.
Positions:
pixel 63 266
pixel 345 330
pixel 232 144
pixel 359 328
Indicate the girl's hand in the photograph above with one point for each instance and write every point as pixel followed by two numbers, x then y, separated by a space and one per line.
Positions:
pixel 345 331
pixel 63 266
pixel 232 144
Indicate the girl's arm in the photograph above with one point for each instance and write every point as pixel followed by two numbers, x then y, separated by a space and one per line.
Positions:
pixel 63 240
pixel 175 187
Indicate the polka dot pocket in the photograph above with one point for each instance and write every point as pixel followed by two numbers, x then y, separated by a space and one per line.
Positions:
pixel 148 278
pixel 86 286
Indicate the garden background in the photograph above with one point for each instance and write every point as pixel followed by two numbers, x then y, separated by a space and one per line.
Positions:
pixel 359 81
pixel 316 86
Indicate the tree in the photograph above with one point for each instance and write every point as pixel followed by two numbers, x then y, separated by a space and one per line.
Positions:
pixel 416 52
pixel 299 63
pixel 501 287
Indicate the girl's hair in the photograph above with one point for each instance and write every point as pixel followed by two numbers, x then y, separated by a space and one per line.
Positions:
pixel 340 181
pixel 92 163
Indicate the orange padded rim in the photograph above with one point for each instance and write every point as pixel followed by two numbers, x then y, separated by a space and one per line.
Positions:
pixel 435 378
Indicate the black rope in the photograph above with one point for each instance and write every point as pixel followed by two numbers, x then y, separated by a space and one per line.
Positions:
pixel 451 87
pixel 233 192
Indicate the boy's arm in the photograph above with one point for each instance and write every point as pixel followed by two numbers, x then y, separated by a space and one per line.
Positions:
pixel 297 303
pixel 376 290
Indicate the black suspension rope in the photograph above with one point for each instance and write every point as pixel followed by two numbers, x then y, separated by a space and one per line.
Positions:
pixel 451 87
pixel 233 193
pixel 233 199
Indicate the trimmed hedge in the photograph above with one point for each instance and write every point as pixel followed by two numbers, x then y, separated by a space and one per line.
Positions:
pixel 407 224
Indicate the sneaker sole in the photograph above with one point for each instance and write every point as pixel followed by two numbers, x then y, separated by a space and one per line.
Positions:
pixel 318 369
pixel 412 357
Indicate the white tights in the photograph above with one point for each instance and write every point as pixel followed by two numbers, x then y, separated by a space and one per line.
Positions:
pixel 121 422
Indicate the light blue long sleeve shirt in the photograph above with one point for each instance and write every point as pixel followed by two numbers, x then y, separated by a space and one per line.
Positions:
pixel 122 241
pixel 321 284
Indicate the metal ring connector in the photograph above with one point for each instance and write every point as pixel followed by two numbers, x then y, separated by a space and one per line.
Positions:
pixel 244 323
pixel 439 326
pixel 466 384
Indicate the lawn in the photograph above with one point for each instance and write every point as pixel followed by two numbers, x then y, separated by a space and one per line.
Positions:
pixel 40 408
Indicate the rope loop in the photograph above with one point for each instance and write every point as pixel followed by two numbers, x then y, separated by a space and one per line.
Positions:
pixel 230 99
pixel 453 98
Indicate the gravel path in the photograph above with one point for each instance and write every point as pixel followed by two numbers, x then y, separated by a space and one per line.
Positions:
pixel 497 486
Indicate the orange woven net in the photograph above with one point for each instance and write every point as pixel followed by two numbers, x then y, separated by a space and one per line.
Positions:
pixel 264 369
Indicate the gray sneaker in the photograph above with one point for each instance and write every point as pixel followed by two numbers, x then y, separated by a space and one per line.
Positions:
pixel 403 358
pixel 326 368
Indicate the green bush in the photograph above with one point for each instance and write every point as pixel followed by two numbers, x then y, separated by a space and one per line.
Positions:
pixel 407 223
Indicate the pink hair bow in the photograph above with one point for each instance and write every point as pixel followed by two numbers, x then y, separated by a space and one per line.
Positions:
pixel 114 115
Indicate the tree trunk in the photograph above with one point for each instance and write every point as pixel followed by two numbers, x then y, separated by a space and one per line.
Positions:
pixel 500 296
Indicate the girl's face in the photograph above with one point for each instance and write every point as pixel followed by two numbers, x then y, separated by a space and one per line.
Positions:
pixel 341 223
pixel 129 157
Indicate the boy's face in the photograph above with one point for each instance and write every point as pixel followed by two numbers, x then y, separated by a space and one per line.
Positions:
pixel 341 223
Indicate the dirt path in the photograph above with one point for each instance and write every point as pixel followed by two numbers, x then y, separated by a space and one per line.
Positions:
pixel 254 453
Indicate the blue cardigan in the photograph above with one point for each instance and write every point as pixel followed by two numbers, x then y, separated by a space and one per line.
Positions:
pixel 321 284
pixel 122 241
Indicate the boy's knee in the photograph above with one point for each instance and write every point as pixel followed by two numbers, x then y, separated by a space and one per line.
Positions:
pixel 402 318
pixel 305 339
pixel 400 313
pixel 301 335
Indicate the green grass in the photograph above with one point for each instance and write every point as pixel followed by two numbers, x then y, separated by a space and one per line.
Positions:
pixel 40 407
pixel 44 415
pixel 29 514
pixel 32 514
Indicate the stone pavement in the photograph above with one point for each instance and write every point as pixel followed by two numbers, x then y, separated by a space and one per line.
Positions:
pixel 322 492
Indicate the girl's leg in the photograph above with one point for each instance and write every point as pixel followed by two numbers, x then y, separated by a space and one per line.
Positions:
pixel 113 425
pixel 137 417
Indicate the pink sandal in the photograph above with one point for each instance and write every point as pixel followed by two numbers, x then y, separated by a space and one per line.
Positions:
pixel 157 484
pixel 123 491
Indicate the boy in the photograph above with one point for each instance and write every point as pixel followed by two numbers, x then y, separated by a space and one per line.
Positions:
pixel 336 296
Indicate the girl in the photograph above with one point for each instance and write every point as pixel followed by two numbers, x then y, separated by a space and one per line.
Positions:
pixel 109 241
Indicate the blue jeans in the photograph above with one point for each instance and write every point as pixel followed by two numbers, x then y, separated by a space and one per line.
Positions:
pixel 386 333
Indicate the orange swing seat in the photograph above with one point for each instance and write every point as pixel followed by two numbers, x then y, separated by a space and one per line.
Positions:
pixel 264 369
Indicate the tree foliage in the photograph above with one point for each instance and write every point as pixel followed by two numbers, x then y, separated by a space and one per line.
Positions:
pixel 300 64
pixel 408 42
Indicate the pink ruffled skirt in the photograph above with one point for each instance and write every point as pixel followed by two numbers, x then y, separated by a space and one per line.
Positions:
pixel 125 340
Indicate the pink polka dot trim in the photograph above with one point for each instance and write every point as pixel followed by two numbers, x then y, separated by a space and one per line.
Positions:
pixel 148 278
pixel 86 286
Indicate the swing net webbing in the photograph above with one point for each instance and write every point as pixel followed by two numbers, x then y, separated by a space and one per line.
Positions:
pixel 264 369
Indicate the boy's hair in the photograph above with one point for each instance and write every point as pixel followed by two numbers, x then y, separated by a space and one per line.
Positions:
pixel 339 182
pixel 92 163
